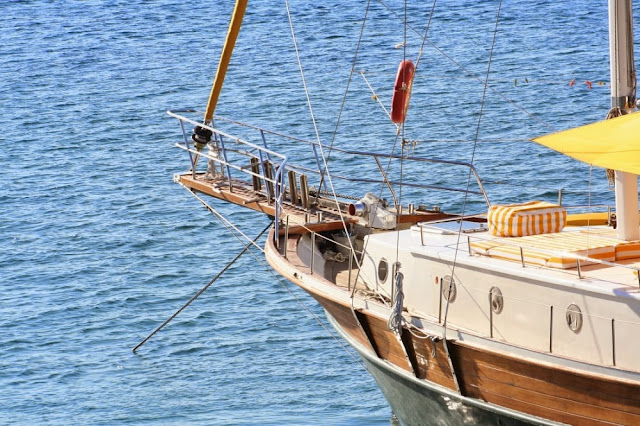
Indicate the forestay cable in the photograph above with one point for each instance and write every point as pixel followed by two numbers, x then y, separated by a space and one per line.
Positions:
pixel 239 235
pixel 202 290
pixel 473 153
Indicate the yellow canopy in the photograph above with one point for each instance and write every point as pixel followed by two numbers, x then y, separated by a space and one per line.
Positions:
pixel 612 144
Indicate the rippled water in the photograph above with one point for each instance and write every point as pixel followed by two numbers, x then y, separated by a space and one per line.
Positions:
pixel 99 246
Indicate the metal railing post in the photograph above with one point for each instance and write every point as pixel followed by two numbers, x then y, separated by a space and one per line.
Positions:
pixel 186 143
pixel 226 161
pixel 351 254
pixel 264 142
pixel 313 250
pixel 286 237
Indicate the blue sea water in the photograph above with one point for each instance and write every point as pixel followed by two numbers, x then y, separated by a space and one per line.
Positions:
pixel 98 246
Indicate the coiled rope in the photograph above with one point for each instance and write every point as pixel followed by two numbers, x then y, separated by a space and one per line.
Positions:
pixel 395 319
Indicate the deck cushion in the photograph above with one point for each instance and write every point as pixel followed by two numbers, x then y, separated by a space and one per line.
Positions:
pixel 557 250
pixel 624 249
pixel 532 218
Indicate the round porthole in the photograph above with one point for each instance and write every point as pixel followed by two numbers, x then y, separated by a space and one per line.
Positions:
pixel 383 270
pixel 448 288
pixel 497 302
pixel 574 318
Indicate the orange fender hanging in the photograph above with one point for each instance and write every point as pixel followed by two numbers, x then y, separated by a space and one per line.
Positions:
pixel 402 91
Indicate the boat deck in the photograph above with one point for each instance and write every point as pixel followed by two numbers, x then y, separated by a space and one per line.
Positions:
pixel 317 218
pixel 241 193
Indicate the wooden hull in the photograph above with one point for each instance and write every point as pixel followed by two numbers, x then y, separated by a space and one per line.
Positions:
pixel 420 402
pixel 420 381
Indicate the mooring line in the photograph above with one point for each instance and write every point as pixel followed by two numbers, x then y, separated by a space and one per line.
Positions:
pixel 203 289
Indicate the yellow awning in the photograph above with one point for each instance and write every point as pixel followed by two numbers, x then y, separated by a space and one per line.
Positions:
pixel 611 144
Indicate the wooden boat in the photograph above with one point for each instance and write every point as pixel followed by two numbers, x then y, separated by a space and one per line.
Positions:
pixel 521 315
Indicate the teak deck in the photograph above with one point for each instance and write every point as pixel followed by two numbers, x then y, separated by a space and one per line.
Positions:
pixel 242 194
pixel 300 221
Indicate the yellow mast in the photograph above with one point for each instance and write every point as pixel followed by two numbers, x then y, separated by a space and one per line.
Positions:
pixel 225 57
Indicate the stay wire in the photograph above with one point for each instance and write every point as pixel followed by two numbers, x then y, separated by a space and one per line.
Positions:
pixel 473 153
pixel 203 289
pixel 475 77
pixel 320 145
pixel 234 230
pixel 424 39
pixel 346 91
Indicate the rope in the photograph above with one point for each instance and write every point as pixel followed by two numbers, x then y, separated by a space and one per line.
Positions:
pixel 473 153
pixel 375 97
pixel 395 319
pixel 231 228
pixel 203 289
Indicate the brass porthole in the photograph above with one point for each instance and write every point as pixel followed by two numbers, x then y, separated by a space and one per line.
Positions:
pixel 574 318
pixel 383 270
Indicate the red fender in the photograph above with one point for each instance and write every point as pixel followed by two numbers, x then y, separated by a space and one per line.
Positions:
pixel 402 91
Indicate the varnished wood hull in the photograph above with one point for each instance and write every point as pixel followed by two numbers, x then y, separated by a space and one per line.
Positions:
pixel 473 384
pixel 420 402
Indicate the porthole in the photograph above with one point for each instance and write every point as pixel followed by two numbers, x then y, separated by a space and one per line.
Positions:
pixel 574 318
pixel 383 270
pixel 448 288
pixel 497 302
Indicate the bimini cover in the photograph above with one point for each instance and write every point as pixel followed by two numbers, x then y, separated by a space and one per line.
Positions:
pixel 612 144
pixel 532 218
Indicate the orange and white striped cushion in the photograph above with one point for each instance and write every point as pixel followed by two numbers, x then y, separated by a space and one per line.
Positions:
pixel 532 218
pixel 556 250
pixel 625 250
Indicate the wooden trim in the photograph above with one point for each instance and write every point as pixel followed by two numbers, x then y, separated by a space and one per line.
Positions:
pixel 244 196
pixel 542 390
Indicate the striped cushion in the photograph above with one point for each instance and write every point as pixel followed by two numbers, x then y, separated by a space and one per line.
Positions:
pixel 624 249
pixel 518 220
pixel 553 250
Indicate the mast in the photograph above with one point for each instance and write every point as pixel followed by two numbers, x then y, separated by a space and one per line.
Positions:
pixel 225 57
pixel 623 97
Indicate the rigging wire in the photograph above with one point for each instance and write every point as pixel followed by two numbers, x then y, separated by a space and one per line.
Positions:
pixel 395 142
pixel 473 153
pixel 402 144
pixel 346 91
pixel 324 158
pixel 424 39
pixel 203 289
pixel 472 75
pixel 231 228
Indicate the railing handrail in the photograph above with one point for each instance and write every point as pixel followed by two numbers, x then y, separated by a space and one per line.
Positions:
pixel 278 179
pixel 173 113
pixel 220 132
pixel 565 254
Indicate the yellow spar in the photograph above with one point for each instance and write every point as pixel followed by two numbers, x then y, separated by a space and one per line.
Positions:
pixel 225 57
